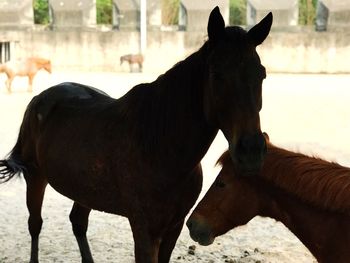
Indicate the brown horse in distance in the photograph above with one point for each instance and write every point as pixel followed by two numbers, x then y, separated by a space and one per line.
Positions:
pixel 139 156
pixel 24 68
pixel 310 196
pixel 132 59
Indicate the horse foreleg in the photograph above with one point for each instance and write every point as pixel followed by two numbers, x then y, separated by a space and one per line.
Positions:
pixel 140 66
pixel 146 247
pixel 79 217
pixel 30 86
pixel 8 84
pixel 35 194
pixel 168 243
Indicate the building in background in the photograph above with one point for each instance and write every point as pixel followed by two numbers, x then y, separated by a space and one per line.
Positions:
pixel 194 13
pixel 16 13
pixel 338 12
pixel 126 14
pixel 73 13
pixel 285 12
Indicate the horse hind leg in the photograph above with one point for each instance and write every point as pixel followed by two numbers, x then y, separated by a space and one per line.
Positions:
pixel 35 193
pixel 79 217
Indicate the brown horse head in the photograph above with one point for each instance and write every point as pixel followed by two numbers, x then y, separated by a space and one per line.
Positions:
pixel 231 201
pixel 41 63
pixel 234 200
pixel 46 64
pixel 233 94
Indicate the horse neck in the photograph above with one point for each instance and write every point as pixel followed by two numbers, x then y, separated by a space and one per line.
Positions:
pixel 39 65
pixel 5 69
pixel 171 109
pixel 314 180
pixel 316 228
pixel 180 89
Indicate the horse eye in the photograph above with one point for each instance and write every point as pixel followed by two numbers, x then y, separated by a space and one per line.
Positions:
pixel 219 184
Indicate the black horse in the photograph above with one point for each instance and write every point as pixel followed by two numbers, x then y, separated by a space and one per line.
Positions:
pixel 139 156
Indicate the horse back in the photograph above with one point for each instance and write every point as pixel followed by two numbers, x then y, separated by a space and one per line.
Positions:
pixel 39 112
pixel 43 103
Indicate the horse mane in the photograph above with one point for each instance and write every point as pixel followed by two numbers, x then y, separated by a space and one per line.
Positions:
pixel 176 92
pixel 153 105
pixel 313 180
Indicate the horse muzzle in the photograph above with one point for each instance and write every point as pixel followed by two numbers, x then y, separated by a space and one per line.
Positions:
pixel 200 232
pixel 248 154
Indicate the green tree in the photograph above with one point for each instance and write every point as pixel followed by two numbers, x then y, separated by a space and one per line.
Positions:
pixel 41 12
pixel 170 12
pixel 104 10
pixel 307 12
pixel 238 9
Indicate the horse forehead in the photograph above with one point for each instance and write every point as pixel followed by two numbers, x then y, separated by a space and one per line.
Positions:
pixel 235 50
pixel 237 36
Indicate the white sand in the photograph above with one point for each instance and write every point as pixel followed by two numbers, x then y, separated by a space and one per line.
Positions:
pixel 309 113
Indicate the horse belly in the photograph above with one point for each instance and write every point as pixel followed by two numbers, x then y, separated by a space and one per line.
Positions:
pixel 96 193
pixel 82 175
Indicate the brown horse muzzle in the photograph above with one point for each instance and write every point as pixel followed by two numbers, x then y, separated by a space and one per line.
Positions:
pixel 248 154
pixel 199 231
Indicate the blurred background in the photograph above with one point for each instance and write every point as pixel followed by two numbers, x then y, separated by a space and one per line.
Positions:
pixel 308 36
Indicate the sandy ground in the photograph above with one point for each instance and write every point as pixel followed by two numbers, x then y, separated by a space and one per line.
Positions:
pixel 308 113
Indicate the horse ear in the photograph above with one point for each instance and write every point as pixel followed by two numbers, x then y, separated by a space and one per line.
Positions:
pixel 266 136
pixel 216 25
pixel 260 31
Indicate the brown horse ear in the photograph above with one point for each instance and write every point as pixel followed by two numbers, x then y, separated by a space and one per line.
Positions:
pixel 266 136
pixel 260 31
pixel 216 25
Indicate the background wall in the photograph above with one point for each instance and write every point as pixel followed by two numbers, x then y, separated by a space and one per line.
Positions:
pixel 300 51
pixel 307 51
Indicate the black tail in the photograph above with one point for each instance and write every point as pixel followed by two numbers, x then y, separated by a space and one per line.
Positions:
pixel 9 168
pixel 13 164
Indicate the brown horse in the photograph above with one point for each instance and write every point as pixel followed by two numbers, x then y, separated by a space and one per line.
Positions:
pixel 132 59
pixel 139 156
pixel 310 196
pixel 24 67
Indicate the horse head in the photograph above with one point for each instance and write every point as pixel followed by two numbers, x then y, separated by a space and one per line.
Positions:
pixel 47 66
pixel 231 201
pixel 233 93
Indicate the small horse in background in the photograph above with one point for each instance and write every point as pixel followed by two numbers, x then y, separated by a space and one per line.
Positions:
pixel 139 155
pixel 24 68
pixel 310 196
pixel 133 59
